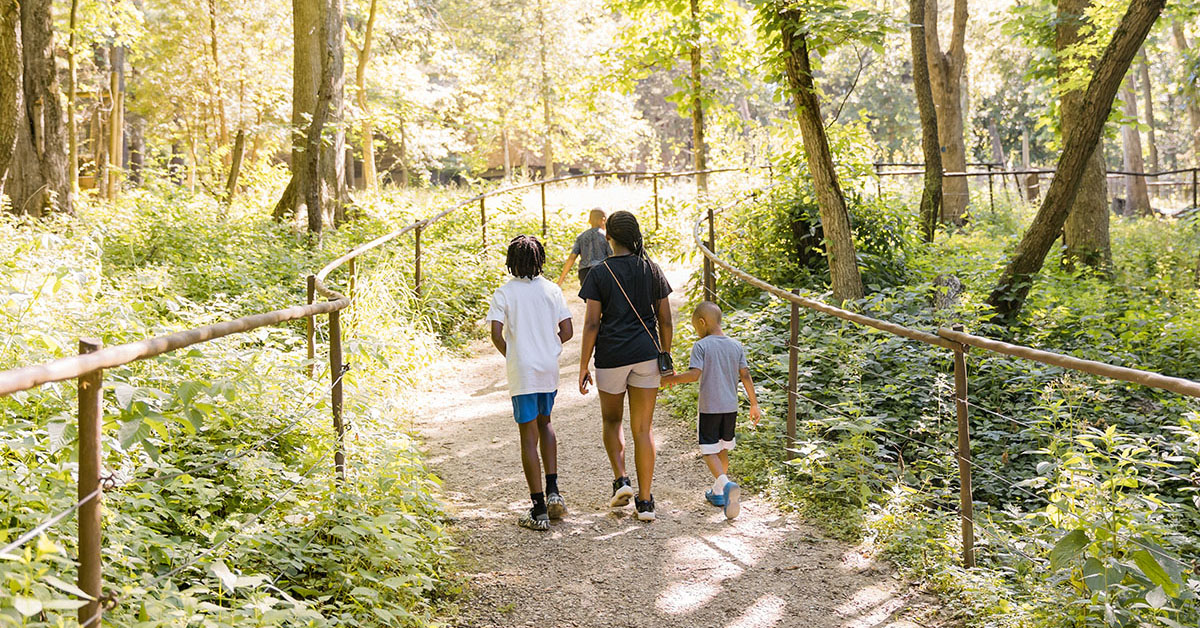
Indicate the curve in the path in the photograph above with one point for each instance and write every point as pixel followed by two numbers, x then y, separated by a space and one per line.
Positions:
pixel 600 567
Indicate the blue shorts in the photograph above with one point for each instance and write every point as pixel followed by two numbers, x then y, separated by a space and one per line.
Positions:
pixel 529 407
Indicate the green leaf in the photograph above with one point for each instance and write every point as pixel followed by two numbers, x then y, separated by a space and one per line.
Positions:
pixel 1097 577
pixel 66 587
pixel 1068 547
pixel 1154 571
pixel 27 606
pixel 1156 598
pixel 222 572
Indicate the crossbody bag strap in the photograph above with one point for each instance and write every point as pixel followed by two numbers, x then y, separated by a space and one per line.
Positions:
pixel 631 307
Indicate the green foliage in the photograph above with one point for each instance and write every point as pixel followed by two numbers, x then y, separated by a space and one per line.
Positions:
pixel 1086 508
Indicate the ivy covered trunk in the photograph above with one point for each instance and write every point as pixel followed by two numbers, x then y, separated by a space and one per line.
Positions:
pixel 931 193
pixel 1008 297
pixel 945 74
pixel 37 180
pixel 835 219
pixel 699 150
pixel 1085 231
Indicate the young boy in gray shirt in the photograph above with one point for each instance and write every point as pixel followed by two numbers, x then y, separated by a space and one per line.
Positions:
pixel 718 363
pixel 591 247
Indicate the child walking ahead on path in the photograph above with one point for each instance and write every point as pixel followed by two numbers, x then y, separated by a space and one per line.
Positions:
pixel 718 362
pixel 591 248
pixel 530 323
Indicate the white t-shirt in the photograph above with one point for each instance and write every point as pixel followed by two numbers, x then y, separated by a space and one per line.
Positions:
pixel 530 310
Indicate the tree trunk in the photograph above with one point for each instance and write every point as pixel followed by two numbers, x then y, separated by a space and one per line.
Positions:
pixel 1137 199
pixel 38 178
pixel 931 194
pixel 329 30
pixel 10 84
pixel 547 94
pixel 235 166
pixel 72 88
pixel 116 120
pixel 1191 92
pixel 1085 232
pixel 699 148
pixel 945 74
pixel 223 128
pixel 404 176
pixel 1148 98
pixel 507 155
pixel 835 219
pixel 370 181
pixel 1015 281
pixel 309 18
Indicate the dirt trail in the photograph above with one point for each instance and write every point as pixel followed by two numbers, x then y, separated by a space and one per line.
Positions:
pixel 601 567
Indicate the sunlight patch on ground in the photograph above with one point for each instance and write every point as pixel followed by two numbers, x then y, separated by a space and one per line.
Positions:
pixel 684 597
pixel 766 611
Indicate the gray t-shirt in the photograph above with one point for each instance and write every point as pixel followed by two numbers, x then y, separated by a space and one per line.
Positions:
pixel 592 247
pixel 720 360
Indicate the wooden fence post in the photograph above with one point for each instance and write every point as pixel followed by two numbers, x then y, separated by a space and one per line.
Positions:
pixel 966 503
pixel 353 283
pixel 793 378
pixel 417 260
pixel 336 371
pixel 710 281
pixel 654 179
pixel 991 192
pixel 90 579
pixel 482 223
pixel 1194 187
pixel 310 325
pixel 543 186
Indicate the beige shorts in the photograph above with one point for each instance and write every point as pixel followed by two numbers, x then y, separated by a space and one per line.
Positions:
pixel 641 375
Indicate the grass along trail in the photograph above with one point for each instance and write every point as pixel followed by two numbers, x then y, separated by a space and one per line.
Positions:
pixel 602 567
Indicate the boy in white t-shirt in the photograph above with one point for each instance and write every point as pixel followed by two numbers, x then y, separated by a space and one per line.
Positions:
pixel 530 323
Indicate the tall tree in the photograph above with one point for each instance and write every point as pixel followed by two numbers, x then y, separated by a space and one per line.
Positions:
pixel 10 81
pixel 1191 90
pixel 946 71
pixel 547 95
pixel 314 56
pixel 364 110
pixel 1148 100
pixel 931 193
pixel 1085 231
pixel 37 180
pixel 1137 197
pixel 72 89
pixel 835 218
pixel 1008 297
pixel 699 148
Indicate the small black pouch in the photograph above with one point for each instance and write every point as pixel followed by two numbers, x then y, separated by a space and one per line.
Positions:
pixel 665 364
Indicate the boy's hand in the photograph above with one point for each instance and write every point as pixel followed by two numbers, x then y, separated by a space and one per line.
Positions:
pixel 667 381
pixel 585 380
pixel 755 414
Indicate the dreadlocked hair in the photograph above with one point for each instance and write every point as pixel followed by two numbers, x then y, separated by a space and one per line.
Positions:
pixel 525 258
pixel 623 228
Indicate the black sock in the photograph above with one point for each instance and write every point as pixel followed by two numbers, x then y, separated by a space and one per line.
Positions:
pixel 539 503
pixel 551 482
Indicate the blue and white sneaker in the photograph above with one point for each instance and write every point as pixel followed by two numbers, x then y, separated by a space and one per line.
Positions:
pixel 714 499
pixel 733 495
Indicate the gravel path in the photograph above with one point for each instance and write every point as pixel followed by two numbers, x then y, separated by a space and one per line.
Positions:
pixel 601 567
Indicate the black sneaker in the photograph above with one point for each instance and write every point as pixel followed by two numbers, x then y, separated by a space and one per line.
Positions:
pixel 645 509
pixel 540 522
pixel 622 493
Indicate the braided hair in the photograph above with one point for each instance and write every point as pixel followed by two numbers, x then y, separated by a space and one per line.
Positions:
pixel 525 258
pixel 623 228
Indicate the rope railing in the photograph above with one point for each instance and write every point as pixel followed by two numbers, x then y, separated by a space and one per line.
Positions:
pixel 957 341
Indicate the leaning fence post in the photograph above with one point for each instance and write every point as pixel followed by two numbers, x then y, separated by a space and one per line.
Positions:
pixel 654 179
pixel 417 260
pixel 793 377
pixel 991 193
pixel 966 503
pixel 543 186
pixel 310 325
pixel 90 579
pixel 336 370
